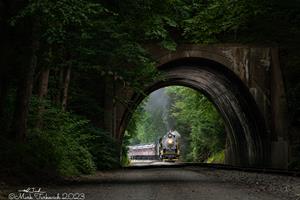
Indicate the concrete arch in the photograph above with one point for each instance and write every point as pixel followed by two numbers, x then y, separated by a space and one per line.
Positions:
pixel 234 58
pixel 195 53
pixel 245 126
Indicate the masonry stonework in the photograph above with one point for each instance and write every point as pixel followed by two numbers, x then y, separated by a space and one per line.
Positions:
pixel 258 69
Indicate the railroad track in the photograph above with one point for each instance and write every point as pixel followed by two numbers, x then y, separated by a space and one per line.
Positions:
pixel 294 173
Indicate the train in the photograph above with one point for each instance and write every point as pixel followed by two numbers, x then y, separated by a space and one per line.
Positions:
pixel 143 152
pixel 167 148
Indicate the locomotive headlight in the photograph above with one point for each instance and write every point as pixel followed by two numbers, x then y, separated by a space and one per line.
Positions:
pixel 170 141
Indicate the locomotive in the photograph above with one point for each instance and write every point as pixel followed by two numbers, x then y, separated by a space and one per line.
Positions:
pixel 169 146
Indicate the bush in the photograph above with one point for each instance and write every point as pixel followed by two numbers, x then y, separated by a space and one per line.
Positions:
pixel 104 149
pixel 217 158
pixel 64 144
pixel 63 133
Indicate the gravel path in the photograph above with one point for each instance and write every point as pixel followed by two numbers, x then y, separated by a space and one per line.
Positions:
pixel 183 183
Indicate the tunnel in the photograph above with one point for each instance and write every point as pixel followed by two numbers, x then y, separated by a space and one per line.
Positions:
pixel 245 126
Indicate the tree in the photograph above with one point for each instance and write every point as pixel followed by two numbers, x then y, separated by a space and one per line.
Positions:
pixel 194 117
pixel 199 121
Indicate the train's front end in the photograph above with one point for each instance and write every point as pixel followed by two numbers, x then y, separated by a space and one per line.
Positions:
pixel 169 150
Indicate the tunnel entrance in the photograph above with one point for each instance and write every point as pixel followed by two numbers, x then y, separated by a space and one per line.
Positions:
pixel 175 124
pixel 244 124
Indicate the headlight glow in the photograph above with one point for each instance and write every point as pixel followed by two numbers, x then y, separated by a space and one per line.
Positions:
pixel 170 141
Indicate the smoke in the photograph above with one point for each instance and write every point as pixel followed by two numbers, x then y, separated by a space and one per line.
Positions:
pixel 160 101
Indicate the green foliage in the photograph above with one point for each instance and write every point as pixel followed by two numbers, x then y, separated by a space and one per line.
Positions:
pixel 103 42
pixel 104 149
pixel 146 126
pixel 55 19
pixel 90 143
pixel 148 20
pixel 124 155
pixel 65 145
pixel 86 35
pixel 197 119
pixel 217 157
pixel 206 21
pixel 66 135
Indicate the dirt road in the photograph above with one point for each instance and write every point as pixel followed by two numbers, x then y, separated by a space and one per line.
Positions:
pixel 177 184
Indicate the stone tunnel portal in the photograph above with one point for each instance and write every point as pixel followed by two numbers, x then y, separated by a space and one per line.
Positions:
pixel 245 126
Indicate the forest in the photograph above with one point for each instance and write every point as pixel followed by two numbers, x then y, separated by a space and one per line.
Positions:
pixel 187 111
pixel 59 60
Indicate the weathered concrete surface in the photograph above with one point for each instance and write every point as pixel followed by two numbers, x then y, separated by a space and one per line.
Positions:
pixel 252 64
pixel 245 84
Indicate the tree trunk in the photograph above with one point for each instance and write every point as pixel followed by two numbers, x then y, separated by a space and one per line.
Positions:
pixel 43 86
pixel 66 88
pixel 24 91
pixel 42 93
pixel 3 92
pixel 4 55
pixel 108 105
pixel 5 52
pixel 57 97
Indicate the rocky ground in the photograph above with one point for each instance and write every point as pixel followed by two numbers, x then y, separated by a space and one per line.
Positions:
pixel 287 187
pixel 173 183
